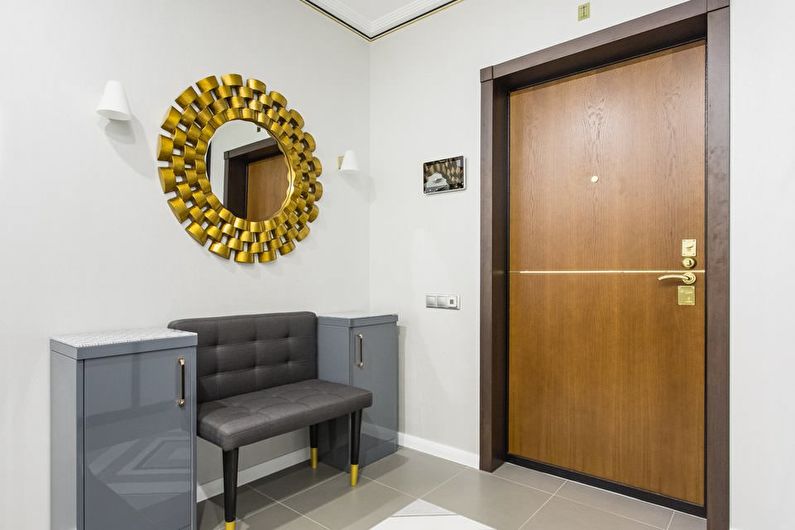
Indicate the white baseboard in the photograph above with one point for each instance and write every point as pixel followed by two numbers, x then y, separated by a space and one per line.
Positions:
pixel 216 487
pixel 440 450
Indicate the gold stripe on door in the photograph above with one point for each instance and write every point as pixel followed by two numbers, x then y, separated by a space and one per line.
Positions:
pixel 699 271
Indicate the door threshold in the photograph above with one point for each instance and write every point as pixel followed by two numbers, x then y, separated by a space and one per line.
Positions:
pixel 621 489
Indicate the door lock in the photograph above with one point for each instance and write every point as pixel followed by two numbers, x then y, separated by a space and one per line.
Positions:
pixel 689 248
pixel 688 263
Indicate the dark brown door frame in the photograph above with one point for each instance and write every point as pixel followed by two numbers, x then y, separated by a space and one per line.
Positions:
pixel 692 20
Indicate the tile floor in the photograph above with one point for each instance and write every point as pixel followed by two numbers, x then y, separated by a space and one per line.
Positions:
pixel 412 490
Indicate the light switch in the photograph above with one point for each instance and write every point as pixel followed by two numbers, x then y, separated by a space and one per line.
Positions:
pixel 443 301
pixel 583 11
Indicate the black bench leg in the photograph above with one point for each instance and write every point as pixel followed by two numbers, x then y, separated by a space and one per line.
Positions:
pixel 230 488
pixel 356 434
pixel 313 446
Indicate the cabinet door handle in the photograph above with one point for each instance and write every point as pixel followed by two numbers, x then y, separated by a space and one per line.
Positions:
pixel 360 347
pixel 181 400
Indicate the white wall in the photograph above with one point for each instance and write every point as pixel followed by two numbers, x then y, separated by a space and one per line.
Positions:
pixel 762 261
pixel 87 239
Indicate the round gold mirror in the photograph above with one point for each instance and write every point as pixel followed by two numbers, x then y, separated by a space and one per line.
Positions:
pixel 240 168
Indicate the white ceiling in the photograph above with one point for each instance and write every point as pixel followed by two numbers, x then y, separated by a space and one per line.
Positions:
pixel 373 18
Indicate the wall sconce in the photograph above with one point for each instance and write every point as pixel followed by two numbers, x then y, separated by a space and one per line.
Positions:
pixel 113 104
pixel 347 164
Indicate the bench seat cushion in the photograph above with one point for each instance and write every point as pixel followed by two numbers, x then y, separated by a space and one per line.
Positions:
pixel 243 419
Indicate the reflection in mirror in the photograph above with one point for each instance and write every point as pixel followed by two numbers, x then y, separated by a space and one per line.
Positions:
pixel 247 170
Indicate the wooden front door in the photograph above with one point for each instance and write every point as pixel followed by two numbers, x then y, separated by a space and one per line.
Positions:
pixel 606 368
pixel 268 183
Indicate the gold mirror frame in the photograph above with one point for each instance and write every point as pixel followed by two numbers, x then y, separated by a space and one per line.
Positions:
pixel 185 174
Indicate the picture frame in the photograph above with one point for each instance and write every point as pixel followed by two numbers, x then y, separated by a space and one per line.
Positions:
pixel 444 175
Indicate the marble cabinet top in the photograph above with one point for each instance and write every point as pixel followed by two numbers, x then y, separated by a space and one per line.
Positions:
pixel 119 342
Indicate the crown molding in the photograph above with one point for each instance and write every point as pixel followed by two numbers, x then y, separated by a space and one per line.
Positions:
pixel 372 29
pixel 343 12
pixel 410 11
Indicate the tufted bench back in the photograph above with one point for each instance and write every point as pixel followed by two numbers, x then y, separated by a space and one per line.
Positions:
pixel 241 354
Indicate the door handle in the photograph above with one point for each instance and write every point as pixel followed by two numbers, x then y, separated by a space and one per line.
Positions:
pixel 687 278
pixel 181 400
pixel 360 347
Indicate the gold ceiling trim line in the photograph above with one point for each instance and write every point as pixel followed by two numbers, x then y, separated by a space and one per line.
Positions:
pixel 700 271
pixel 191 125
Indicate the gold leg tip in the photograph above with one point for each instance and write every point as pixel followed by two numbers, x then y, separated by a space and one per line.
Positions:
pixel 313 458
pixel 230 526
pixel 354 474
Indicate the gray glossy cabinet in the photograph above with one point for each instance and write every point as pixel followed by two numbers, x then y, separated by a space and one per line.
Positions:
pixel 360 350
pixel 123 420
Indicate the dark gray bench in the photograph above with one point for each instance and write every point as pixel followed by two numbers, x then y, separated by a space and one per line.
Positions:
pixel 256 377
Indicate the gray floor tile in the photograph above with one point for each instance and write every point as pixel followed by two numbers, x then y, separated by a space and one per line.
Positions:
pixel 292 480
pixel 412 472
pixel 278 516
pixel 530 477
pixel 562 514
pixel 209 515
pixel 644 512
pixel 687 522
pixel 503 500
pixel 211 512
pixel 335 504
pixel 488 499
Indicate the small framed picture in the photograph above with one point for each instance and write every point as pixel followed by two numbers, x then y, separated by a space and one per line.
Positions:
pixel 440 176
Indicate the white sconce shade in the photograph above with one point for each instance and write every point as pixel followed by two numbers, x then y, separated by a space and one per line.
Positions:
pixel 348 163
pixel 113 104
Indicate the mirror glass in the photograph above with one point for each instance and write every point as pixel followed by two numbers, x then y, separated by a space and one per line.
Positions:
pixel 247 170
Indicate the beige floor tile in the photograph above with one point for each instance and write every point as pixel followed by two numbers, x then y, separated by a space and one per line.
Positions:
pixel 562 514
pixel 412 472
pixel 530 477
pixel 488 499
pixel 282 518
pixel 336 505
pixel 293 480
pixel 687 522
pixel 211 512
pixel 644 512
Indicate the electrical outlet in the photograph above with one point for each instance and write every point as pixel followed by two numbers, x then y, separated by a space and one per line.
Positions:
pixel 583 11
pixel 443 301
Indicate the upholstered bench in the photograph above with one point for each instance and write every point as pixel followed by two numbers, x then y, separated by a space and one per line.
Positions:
pixel 256 377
